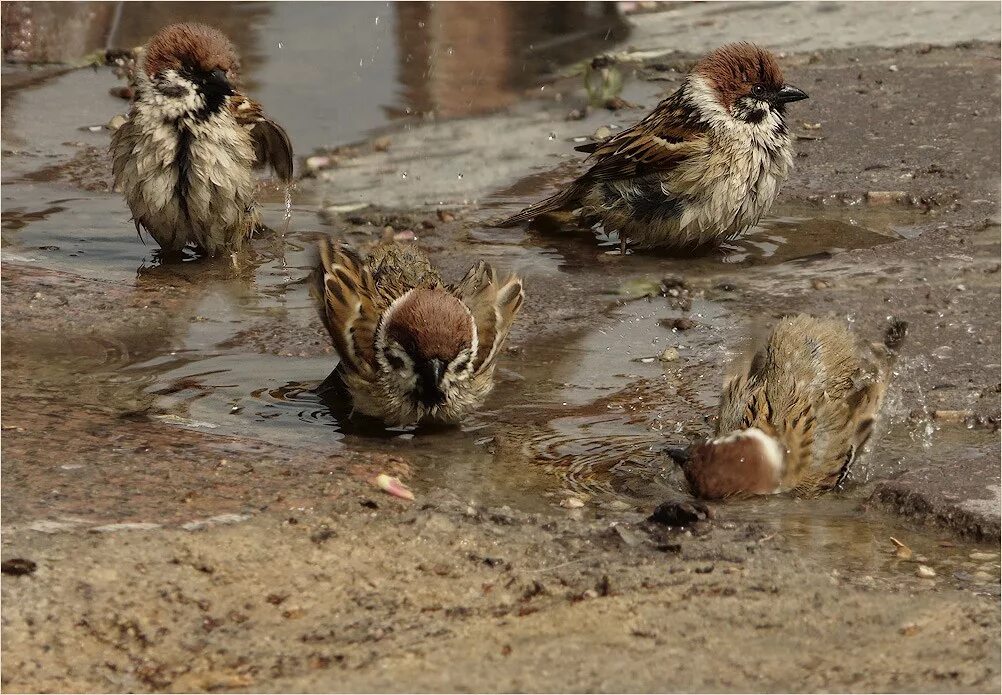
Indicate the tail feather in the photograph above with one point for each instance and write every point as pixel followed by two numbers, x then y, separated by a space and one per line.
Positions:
pixel 565 199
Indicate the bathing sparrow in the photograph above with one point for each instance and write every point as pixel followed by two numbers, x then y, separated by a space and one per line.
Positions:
pixel 184 157
pixel 798 416
pixel 411 347
pixel 701 168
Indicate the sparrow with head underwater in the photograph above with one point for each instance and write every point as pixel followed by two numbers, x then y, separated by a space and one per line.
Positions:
pixel 798 416
pixel 701 168
pixel 412 348
pixel 184 158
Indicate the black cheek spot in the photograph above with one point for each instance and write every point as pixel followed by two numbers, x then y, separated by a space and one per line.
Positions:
pixel 755 117
pixel 173 90
pixel 394 361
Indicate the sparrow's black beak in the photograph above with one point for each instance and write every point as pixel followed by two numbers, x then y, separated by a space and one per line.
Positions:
pixel 216 81
pixel 789 93
pixel 430 382
pixel 678 454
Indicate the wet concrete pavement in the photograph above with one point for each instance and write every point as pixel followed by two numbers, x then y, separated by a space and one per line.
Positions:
pixel 184 494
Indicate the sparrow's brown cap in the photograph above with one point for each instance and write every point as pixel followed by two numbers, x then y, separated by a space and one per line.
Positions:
pixel 747 462
pixel 431 324
pixel 190 45
pixel 735 69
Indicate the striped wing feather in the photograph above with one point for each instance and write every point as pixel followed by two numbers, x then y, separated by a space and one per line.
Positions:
pixel 346 293
pixel 272 146
pixel 494 305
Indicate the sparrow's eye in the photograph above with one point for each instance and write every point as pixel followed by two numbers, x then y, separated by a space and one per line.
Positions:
pixel 395 361
pixel 758 90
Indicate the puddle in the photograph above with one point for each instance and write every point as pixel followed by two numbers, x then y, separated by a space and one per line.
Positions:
pixel 588 414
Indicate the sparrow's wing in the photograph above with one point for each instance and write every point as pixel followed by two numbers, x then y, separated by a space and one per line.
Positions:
pixel 849 426
pixel 346 293
pixel 271 142
pixel 478 276
pixel 494 305
pixel 669 134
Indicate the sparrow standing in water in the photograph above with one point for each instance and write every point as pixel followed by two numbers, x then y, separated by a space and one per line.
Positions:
pixel 184 157
pixel 411 347
pixel 797 417
pixel 701 168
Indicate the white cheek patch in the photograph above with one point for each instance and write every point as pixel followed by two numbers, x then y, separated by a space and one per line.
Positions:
pixel 170 96
pixel 770 447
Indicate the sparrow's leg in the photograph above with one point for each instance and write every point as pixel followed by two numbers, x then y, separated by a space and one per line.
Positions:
pixel 622 244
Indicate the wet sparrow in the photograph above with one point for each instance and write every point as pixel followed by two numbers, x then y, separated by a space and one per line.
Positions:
pixel 797 417
pixel 411 347
pixel 184 157
pixel 701 168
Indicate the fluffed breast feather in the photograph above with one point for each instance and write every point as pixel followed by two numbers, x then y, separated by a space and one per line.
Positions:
pixel 272 146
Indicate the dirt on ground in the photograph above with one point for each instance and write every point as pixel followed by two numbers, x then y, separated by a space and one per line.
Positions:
pixel 144 551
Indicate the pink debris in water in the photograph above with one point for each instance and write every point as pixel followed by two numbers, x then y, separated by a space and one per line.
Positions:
pixel 393 486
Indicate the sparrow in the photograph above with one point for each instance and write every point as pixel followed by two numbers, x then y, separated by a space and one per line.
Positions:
pixel 412 348
pixel 184 157
pixel 796 418
pixel 701 168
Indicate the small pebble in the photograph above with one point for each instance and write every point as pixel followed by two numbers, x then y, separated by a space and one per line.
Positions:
pixel 819 284
pixel 682 324
pixel 951 415
pixel 885 197
pixel 571 503
pixel 18 566
pixel 925 572
pixel 602 133
pixel 670 354
pixel 982 556
pixel 116 122
pixel 317 162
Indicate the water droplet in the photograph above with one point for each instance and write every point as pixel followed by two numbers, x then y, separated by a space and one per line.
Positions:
pixel 420 25
pixel 459 176
pixel 553 136
pixel 377 20
pixel 449 50
pixel 403 175
pixel 281 45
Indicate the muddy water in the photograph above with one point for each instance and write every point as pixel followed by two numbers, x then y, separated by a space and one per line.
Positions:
pixel 584 415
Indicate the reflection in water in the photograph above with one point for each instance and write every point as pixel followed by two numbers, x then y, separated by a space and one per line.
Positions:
pixel 459 59
pixel 367 62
